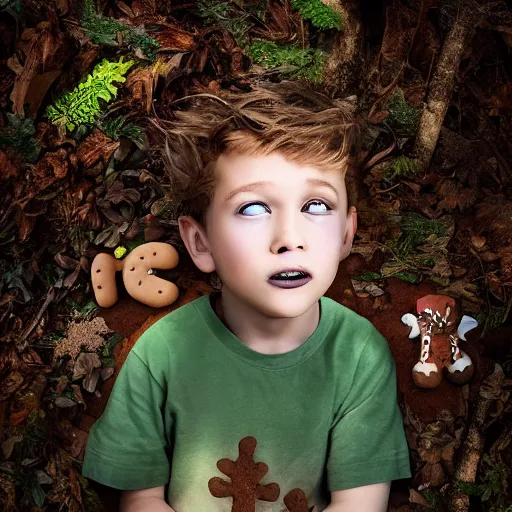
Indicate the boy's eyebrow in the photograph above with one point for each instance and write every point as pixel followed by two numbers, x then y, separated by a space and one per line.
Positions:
pixel 252 186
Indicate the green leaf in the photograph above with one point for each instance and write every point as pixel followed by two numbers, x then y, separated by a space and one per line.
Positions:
pixel 407 276
pixel 322 16
pixel 37 494
pixel 369 276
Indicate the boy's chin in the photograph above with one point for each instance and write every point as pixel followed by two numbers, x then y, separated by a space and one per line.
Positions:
pixel 286 305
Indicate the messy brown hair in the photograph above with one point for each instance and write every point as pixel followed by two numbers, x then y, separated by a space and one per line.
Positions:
pixel 304 125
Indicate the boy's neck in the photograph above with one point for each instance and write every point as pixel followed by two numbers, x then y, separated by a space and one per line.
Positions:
pixel 261 333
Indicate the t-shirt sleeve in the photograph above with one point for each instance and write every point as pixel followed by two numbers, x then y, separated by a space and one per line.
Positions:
pixel 127 447
pixel 368 443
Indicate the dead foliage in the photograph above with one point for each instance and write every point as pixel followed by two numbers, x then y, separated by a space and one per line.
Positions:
pixel 69 194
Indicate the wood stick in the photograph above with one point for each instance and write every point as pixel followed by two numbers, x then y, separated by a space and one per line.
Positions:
pixel 441 87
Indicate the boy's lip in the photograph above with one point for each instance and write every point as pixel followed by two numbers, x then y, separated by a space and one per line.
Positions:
pixel 291 269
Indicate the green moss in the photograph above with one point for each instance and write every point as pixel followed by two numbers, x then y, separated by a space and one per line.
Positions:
pixel 322 16
pixel 81 106
pixel 291 59
pixel 103 30
pixel 402 118
pixel 19 136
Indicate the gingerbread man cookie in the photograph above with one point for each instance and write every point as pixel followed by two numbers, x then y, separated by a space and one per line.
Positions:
pixel 436 323
pixel 138 275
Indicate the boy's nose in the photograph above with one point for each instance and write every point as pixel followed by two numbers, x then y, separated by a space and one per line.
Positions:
pixel 288 238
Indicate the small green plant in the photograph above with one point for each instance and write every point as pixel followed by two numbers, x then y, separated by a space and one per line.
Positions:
pixel 493 491
pixel 401 167
pixel 226 14
pixel 81 106
pixel 415 230
pixel 402 118
pixel 12 7
pixel 307 63
pixel 19 136
pixel 103 30
pixel 322 16
pixel 115 129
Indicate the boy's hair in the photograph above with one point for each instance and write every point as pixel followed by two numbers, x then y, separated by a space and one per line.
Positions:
pixel 304 125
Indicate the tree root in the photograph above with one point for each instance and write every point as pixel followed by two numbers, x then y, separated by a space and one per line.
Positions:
pixel 472 448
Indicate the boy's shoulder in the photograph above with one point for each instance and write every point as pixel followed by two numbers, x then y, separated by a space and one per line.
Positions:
pixel 178 329
pixel 353 333
pixel 347 320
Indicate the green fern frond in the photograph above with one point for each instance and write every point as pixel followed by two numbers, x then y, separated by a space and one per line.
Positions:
pixel 81 106
pixel 103 30
pixel 19 136
pixel 307 63
pixel 322 16
pixel 401 167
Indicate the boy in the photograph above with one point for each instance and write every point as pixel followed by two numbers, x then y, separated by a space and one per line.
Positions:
pixel 266 396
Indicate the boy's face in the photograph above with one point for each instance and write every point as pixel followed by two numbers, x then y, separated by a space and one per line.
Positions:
pixel 296 219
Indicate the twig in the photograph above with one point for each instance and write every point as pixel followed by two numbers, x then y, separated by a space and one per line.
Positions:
pixel 21 344
pixel 386 189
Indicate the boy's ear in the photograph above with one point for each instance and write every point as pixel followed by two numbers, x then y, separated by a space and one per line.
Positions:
pixel 350 231
pixel 196 241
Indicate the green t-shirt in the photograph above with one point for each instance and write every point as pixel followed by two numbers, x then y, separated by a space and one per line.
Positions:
pixel 233 430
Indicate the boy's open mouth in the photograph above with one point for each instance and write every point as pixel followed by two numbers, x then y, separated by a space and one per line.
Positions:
pixel 290 278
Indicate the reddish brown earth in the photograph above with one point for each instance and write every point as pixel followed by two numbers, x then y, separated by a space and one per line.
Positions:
pixel 131 319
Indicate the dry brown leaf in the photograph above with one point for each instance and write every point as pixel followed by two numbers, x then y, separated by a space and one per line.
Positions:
pixel 417 498
pixel 10 384
pixel 8 167
pixel 283 25
pixel 25 225
pixel 8 494
pixel 41 47
pixel 51 167
pixel 505 254
pixel 174 38
pixel 97 147
pixel 400 22
pixel 493 217
pixel 8 445
pixel 454 195
pixel 140 7
pixel 432 475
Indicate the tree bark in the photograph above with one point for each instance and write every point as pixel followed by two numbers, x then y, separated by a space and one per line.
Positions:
pixel 343 67
pixel 443 80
